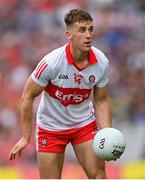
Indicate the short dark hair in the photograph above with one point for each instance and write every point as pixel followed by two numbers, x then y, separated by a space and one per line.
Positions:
pixel 77 15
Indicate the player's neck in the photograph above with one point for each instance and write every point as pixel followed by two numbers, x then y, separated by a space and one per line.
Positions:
pixel 80 57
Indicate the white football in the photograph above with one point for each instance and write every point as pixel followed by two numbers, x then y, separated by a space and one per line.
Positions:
pixel 109 144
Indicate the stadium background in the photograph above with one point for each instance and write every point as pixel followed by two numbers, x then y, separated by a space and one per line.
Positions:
pixel 31 28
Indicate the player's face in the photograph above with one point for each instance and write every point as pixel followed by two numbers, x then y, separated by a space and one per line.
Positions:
pixel 81 35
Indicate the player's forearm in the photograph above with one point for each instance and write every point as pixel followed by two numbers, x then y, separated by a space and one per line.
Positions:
pixel 103 113
pixel 26 117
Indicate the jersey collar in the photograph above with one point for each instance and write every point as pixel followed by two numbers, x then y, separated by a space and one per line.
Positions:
pixel 92 57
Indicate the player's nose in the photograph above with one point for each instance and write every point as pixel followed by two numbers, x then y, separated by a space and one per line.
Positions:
pixel 88 34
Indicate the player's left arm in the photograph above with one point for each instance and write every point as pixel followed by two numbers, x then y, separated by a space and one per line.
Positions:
pixel 102 107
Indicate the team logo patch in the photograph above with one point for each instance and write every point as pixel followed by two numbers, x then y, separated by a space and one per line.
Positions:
pixel 43 142
pixel 77 78
pixel 92 79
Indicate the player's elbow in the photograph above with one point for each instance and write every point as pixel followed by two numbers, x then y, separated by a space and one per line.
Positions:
pixel 27 97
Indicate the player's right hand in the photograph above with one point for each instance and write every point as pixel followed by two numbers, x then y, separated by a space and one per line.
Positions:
pixel 17 148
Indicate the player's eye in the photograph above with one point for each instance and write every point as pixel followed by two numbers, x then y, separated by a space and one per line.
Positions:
pixel 82 30
pixel 91 29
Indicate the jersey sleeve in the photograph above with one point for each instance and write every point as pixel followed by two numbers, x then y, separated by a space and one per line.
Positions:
pixel 41 74
pixel 104 78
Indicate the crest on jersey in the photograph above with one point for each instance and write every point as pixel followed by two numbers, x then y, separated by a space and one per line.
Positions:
pixel 92 79
pixel 77 78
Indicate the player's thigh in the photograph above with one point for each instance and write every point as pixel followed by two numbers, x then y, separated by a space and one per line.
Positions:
pixel 50 164
pixel 93 165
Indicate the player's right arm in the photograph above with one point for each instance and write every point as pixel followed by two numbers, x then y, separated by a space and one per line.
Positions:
pixel 31 91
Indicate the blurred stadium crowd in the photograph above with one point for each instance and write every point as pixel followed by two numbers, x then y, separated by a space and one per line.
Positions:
pixel 29 29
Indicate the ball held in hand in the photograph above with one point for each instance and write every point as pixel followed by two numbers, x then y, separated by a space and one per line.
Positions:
pixel 109 144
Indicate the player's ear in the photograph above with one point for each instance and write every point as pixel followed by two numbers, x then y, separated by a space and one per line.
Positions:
pixel 68 35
